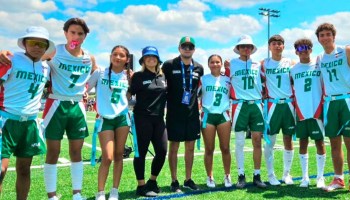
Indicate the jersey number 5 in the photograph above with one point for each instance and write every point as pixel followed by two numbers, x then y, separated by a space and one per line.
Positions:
pixel 116 95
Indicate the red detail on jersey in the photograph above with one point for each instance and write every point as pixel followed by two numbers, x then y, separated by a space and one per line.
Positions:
pixel 319 110
pixel 232 93
pixel 300 115
pixel 2 93
pixel 48 105
pixel 234 107
pixel 4 69
pixel 227 72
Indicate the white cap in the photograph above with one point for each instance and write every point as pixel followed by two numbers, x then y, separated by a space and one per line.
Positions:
pixel 245 39
pixel 37 32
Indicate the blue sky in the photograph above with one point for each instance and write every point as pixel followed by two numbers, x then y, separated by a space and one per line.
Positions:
pixel 215 24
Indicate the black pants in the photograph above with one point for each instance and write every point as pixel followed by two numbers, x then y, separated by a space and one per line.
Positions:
pixel 150 129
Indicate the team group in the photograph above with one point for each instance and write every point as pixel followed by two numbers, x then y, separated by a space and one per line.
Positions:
pixel 310 98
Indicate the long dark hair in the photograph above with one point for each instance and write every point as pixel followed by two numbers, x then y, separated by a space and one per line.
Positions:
pixel 126 65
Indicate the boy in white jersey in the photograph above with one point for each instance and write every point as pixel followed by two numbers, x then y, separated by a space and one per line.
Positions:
pixel 22 85
pixel 307 84
pixel 247 108
pixel 278 108
pixel 335 69
pixel 64 110
pixel 112 106
pixel 215 100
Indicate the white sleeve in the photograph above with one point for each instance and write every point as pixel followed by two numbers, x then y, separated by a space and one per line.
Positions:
pixel 92 82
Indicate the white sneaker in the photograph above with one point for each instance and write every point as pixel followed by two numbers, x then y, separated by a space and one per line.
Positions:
pixel 273 180
pixel 210 182
pixel 114 194
pixel 227 181
pixel 54 198
pixel 78 196
pixel 288 180
pixel 320 182
pixel 304 183
pixel 100 195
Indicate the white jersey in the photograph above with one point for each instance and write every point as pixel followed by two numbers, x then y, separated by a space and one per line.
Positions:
pixel 215 93
pixel 335 71
pixel 277 78
pixel 245 79
pixel 307 89
pixel 23 85
pixel 69 74
pixel 110 92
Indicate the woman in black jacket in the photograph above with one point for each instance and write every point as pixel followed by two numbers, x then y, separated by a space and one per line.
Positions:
pixel 149 86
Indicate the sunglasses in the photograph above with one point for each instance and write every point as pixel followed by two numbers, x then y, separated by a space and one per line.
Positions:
pixel 187 47
pixel 302 48
pixel 243 46
pixel 33 43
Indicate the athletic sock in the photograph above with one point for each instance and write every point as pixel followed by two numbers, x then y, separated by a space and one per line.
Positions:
pixel 50 177
pixel 239 151
pixel 304 161
pixel 268 153
pixel 321 161
pixel 287 160
pixel 77 175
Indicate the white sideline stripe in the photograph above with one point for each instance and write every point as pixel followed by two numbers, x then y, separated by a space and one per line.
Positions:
pixel 127 159
pixel 63 160
pixel 89 145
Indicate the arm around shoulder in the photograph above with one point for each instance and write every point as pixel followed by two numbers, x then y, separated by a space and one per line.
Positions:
pixel 347 49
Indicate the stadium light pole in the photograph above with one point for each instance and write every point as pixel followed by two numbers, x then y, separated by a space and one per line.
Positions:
pixel 269 13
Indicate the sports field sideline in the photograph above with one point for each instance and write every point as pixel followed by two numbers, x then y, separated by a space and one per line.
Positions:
pixel 128 182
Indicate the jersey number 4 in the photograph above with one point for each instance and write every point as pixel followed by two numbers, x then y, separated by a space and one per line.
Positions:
pixel 33 89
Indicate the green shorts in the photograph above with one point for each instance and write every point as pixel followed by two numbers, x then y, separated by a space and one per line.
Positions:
pixel 214 119
pixel 281 116
pixel 312 128
pixel 60 116
pixel 246 115
pixel 22 138
pixel 112 124
pixel 338 114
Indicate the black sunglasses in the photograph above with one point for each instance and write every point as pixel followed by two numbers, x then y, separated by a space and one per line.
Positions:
pixel 302 48
pixel 187 47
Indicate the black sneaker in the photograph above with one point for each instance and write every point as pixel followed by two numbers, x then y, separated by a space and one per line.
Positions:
pixel 144 191
pixel 190 184
pixel 153 186
pixel 175 186
pixel 241 181
pixel 257 181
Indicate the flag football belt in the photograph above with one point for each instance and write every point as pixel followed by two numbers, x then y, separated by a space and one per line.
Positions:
pixel 280 101
pixel 336 97
pixel 237 101
pixel 21 118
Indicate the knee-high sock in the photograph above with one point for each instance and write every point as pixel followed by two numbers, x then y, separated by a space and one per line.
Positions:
pixel 239 146
pixel 321 161
pixel 50 177
pixel 304 161
pixel 77 175
pixel 268 152
pixel 287 161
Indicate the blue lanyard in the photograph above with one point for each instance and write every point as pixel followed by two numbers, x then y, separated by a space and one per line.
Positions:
pixel 183 76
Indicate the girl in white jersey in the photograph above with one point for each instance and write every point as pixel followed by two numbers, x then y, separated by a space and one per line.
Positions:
pixel 22 85
pixel 215 100
pixel 112 106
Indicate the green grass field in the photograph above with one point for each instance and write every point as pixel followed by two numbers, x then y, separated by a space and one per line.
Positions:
pixel 128 182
